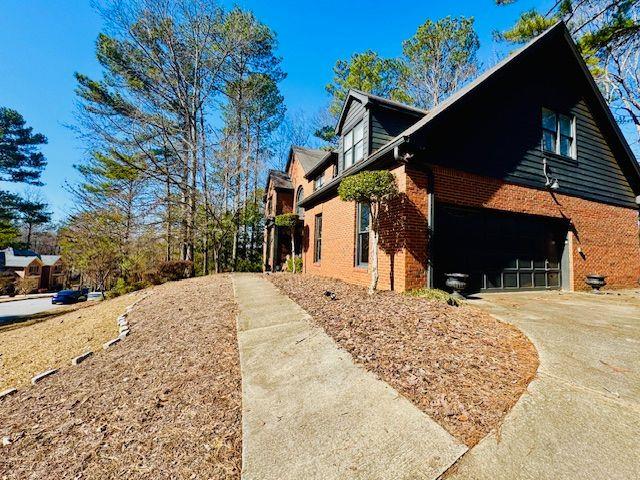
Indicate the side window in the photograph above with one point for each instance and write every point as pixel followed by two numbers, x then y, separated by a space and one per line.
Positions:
pixel 363 220
pixel 558 133
pixel 299 197
pixel 317 239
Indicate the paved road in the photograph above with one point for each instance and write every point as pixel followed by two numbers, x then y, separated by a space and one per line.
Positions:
pixel 10 311
pixel 581 415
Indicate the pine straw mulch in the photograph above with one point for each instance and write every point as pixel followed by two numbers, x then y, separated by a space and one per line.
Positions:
pixel 164 403
pixel 54 341
pixel 459 365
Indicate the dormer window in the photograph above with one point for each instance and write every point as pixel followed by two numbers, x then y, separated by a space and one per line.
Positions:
pixel 318 181
pixel 558 133
pixel 353 145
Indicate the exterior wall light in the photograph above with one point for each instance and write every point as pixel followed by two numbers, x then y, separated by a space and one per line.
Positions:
pixel 551 183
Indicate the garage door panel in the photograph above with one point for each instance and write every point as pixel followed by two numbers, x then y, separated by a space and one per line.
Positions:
pixel 499 251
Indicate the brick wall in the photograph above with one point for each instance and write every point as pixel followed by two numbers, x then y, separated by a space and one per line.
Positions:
pixel 402 252
pixel 607 235
pixel 604 238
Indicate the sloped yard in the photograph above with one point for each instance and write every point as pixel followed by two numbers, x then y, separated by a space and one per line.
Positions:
pixel 459 365
pixel 164 403
pixel 51 343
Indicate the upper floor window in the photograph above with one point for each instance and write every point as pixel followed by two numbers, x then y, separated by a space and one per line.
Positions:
pixel 318 181
pixel 363 220
pixel 57 268
pixel 353 145
pixel 299 197
pixel 269 206
pixel 334 173
pixel 558 133
pixel 34 270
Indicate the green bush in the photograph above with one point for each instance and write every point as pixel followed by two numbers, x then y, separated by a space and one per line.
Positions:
pixel 121 288
pixel 298 264
pixel 288 220
pixel 436 295
pixel 368 187
pixel 244 265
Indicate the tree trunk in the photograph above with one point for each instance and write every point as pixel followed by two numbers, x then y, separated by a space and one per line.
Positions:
pixel 293 249
pixel 374 260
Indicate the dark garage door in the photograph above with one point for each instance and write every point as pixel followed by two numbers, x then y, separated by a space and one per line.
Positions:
pixel 500 251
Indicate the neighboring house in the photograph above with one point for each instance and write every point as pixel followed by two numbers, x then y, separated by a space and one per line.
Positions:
pixel 522 179
pixel 46 271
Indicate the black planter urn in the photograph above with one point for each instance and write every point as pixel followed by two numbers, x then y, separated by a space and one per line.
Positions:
pixel 458 283
pixel 596 282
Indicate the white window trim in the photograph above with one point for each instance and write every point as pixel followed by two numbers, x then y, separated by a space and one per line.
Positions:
pixel 352 149
pixel 574 149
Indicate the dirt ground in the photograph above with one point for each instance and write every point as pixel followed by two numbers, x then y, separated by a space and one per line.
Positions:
pixel 52 343
pixel 459 365
pixel 164 403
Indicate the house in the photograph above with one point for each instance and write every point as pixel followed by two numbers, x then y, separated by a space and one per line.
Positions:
pixel 522 179
pixel 45 271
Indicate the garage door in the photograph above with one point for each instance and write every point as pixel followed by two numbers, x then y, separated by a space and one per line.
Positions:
pixel 500 251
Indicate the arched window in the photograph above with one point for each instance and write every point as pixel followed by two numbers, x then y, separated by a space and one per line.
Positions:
pixel 299 198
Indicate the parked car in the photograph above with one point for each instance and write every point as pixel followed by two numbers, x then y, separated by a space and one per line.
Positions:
pixel 70 296
pixel 95 296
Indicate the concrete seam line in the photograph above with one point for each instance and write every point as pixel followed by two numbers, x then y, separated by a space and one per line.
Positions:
pixel 41 376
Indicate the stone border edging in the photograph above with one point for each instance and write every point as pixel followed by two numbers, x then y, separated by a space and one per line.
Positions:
pixel 123 332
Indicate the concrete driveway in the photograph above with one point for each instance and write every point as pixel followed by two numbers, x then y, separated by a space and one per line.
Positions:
pixel 581 415
pixel 12 311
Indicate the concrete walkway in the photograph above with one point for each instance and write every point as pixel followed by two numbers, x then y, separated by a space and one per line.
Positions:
pixel 580 418
pixel 310 413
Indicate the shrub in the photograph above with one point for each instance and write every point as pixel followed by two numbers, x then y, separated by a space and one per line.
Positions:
pixel 435 295
pixel 121 288
pixel 244 265
pixel 373 189
pixel 175 270
pixel 7 284
pixel 298 264
pixel 290 221
pixel 26 285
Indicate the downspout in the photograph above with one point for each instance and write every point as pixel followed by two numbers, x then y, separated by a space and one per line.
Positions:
pixel 431 208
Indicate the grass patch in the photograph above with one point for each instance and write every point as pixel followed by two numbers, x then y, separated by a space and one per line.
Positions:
pixel 436 295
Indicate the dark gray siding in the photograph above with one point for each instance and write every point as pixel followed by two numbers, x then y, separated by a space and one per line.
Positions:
pixel 497 132
pixel 386 124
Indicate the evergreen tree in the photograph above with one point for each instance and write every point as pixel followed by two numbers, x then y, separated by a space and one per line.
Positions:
pixel 439 58
pixel 20 162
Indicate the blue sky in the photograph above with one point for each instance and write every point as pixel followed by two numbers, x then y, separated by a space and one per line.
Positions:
pixel 43 42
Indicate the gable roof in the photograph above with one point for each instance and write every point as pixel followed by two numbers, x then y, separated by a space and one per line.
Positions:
pixel 280 180
pixel 331 156
pixel 18 258
pixel 49 260
pixel 308 157
pixel 366 98
pixel 559 29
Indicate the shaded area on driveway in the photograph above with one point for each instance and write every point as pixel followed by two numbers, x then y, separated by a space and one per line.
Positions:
pixel 581 416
